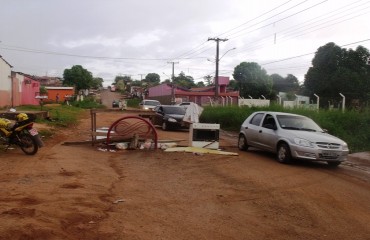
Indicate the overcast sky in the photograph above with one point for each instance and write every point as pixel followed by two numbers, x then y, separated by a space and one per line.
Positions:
pixel 137 37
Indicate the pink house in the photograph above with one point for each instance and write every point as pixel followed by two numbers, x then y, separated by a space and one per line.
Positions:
pixel 25 89
pixel 30 89
pixel 200 96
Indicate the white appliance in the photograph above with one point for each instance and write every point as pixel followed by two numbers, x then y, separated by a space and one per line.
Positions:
pixel 204 135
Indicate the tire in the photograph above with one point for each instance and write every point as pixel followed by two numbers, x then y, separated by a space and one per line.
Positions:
pixel 28 144
pixel 334 163
pixel 242 143
pixel 283 154
pixel 164 126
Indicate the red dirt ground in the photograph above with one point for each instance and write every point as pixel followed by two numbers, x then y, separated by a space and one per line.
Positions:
pixel 79 192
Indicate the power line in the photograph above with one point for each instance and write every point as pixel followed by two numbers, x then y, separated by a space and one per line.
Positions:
pixel 255 18
pixel 306 54
pixel 279 20
pixel 194 50
pixel 20 49
pixel 312 6
pixel 299 27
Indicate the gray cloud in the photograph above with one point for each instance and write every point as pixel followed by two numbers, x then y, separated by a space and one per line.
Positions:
pixel 139 37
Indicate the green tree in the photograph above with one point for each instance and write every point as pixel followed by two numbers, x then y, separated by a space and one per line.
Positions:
pixel 43 90
pixel 252 80
pixel 152 79
pixel 120 85
pixel 200 84
pixel 97 82
pixel 125 79
pixel 337 70
pixel 123 83
pixel 137 83
pixel 288 84
pixel 184 81
pixel 78 77
pixel 208 80
pixel 233 85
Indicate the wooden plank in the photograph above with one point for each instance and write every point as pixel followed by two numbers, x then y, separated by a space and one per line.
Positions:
pixel 116 140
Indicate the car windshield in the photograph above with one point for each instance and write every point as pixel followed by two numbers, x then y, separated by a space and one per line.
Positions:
pixel 151 103
pixel 174 110
pixel 298 123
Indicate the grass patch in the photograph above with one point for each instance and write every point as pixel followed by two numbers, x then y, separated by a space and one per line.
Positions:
pixel 59 115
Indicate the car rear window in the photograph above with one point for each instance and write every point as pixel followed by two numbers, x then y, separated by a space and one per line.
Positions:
pixel 151 103
pixel 174 110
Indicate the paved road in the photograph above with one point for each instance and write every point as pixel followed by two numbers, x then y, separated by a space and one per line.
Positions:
pixel 108 97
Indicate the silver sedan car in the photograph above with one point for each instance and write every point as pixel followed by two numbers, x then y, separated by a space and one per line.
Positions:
pixel 291 136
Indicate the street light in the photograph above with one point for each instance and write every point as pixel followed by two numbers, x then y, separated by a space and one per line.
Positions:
pixel 227 52
pixel 222 55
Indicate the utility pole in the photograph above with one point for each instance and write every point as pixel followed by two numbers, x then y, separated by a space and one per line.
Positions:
pixel 173 100
pixel 217 60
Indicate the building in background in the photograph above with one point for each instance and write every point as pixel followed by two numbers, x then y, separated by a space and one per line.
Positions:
pixel 63 93
pixel 201 96
pixel 25 89
pixel 5 83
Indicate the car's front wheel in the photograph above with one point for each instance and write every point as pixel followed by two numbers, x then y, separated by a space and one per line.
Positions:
pixel 242 143
pixel 283 154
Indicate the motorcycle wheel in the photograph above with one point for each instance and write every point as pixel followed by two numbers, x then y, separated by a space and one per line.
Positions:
pixel 28 144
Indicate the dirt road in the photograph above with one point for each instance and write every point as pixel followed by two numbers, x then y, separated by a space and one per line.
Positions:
pixel 79 192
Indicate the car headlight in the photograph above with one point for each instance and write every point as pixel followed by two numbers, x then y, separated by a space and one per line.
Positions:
pixel 303 142
pixel 171 120
pixel 345 147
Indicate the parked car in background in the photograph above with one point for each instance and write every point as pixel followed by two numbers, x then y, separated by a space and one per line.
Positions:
pixel 115 104
pixel 148 104
pixel 168 117
pixel 291 136
pixel 184 104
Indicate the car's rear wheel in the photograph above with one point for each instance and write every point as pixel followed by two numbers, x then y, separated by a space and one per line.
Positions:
pixel 242 143
pixel 334 163
pixel 283 154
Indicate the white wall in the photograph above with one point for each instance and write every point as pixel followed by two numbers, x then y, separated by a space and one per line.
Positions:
pixel 254 102
pixel 5 72
pixel 5 84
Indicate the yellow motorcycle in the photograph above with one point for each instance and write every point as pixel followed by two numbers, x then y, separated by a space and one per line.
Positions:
pixel 21 134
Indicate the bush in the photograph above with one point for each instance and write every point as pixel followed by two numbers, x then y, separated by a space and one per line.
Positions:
pixel 134 102
pixel 87 103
